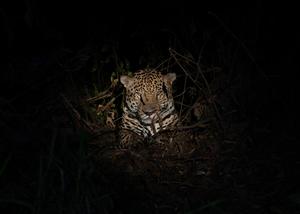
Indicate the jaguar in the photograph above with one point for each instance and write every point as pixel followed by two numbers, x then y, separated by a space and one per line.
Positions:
pixel 148 105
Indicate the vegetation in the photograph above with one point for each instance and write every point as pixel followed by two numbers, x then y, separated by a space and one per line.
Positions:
pixel 59 115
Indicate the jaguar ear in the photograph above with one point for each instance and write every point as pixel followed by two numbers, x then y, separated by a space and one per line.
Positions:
pixel 169 78
pixel 126 80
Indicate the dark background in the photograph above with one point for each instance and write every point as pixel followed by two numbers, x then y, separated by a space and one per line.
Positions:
pixel 34 31
pixel 36 37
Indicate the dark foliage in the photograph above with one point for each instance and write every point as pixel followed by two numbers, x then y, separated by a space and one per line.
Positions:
pixel 236 91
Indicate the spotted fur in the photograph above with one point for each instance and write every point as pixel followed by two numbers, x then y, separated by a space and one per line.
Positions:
pixel 148 106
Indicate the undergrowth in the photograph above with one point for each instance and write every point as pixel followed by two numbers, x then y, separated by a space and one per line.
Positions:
pixel 58 136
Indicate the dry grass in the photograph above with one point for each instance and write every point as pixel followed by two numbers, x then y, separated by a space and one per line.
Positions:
pixel 59 154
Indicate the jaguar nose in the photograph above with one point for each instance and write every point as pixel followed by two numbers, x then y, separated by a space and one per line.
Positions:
pixel 149 109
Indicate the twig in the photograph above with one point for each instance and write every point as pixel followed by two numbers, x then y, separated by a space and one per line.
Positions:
pixel 246 49
pixel 75 114
pixel 174 53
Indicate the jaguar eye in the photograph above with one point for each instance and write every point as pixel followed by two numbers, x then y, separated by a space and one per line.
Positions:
pixel 142 101
pixel 164 88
